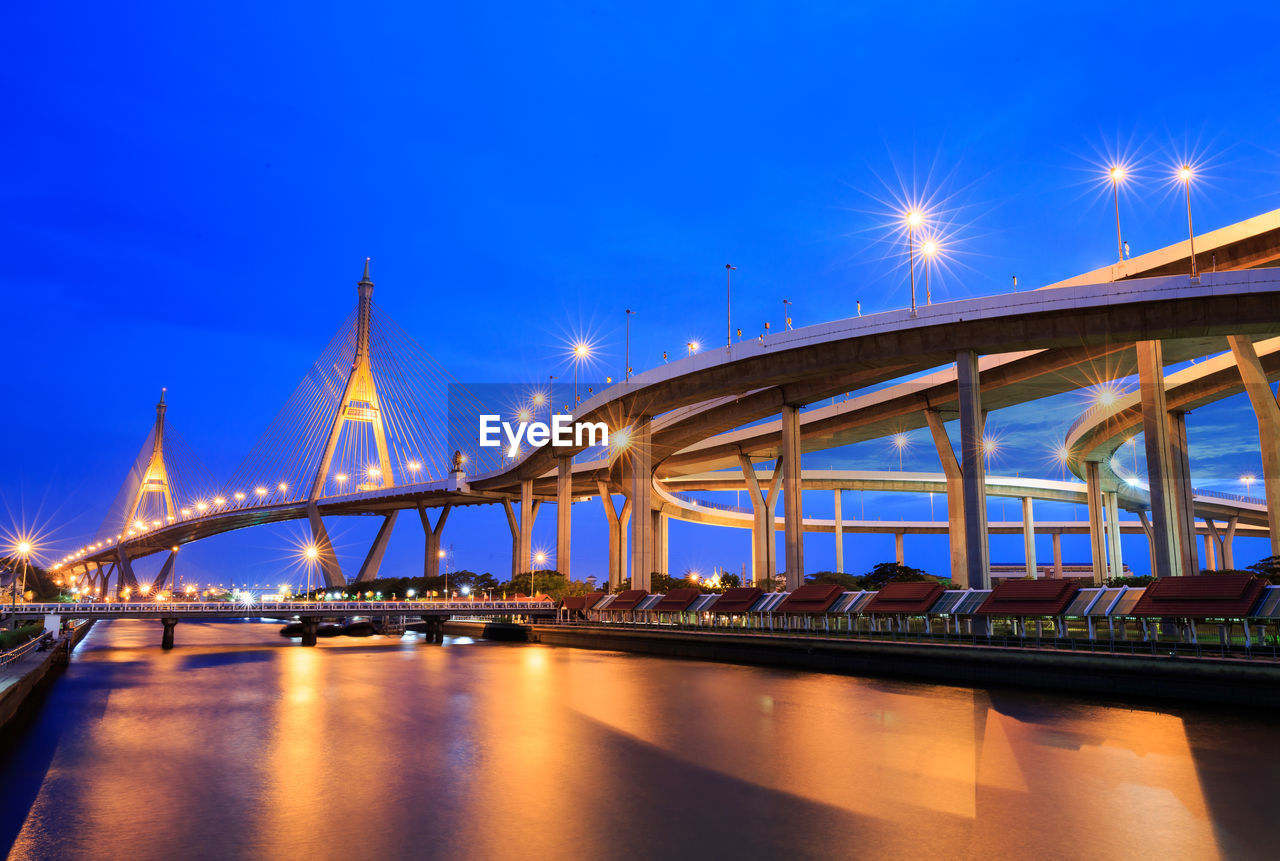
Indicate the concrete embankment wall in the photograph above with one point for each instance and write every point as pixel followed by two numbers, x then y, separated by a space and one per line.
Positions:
pixel 1126 677
pixel 35 668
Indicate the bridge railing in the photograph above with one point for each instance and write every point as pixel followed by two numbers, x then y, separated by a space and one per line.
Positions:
pixel 244 608
pixel 26 648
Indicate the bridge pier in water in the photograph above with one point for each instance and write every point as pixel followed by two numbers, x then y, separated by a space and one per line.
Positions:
pixel 310 624
pixel 166 639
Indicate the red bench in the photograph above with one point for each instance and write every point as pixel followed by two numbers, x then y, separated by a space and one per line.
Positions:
pixel 1201 596
pixel 911 599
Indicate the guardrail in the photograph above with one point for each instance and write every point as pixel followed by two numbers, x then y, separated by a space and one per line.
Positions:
pixel 256 608
pixel 30 646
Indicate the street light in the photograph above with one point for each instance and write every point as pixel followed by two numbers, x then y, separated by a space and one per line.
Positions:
pixel 900 441
pixel 24 552
pixel 627 357
pixel 1117 175
pixel 914 219
pixel 786 314
pixel 929 249
pixel 728 305
pixel 693 347
pixel 1248 480
pixel 581 351
pixel 1185 175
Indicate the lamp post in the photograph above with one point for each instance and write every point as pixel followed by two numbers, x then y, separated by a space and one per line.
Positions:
pixel 786 314
pixel 1185 175
pixel 580 352
pixel 728 305
pixel 24 551
pixel 1117 175
pixel 627 357
pixel 914 219
pixel 929 249
pixel 1248 482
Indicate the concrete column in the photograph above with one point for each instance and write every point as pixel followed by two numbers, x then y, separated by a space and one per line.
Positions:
pixel 1029 536
pixel 373 560
pixel 166 573
pixel 955 499
pixel 839 534
pixel 660 522
pixel 564 514
pixel 1057 555
pixel 329 567
pixel 624 520
pixel 1210 557
pixel 526 525
pixel 1183 496
pixel 792 507
pixel 1097 533
pixel 1151 537
pixel 124 573
pixel 899 551
pixel 1167 538
pixel 640 453
pixel 973 469
pixel 431 553
pixel 310 624
pixel 763 504
pixel 1267 412
pixel 616 550
pixel 1111 503
pixel 1228 556
pixel 514 525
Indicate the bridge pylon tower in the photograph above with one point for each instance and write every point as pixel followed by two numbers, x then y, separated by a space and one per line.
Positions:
pixel 155 478
pixel 360 404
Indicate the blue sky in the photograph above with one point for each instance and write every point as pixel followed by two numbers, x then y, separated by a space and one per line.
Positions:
pixel 191 191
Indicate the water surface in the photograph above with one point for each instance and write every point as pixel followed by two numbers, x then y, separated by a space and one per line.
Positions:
pixel 239 744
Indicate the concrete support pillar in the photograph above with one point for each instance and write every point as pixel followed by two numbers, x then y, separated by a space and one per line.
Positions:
pixel 1210 557
pixel 1184 496
pixel 526 525
pixel 973 469
pixel 1151 537
pixel 1029 537
pixel 617 534
pixel 763 503
pixel 1228 555
pixel 310 624
pixel 1167 539
pixel 1267 412
pixel 640 458
pixel 373 559
pixel 1097 531
pixel 839 531
pixel 564 514
pixel 660 521
pixel 899 550
pixel 166 573
pixel 792 506
pixel 1111 503
pixel 1057 555
pixel 124 573
pixel 955 499
pixel 329 567
pixel 513 524
pixel 431 554
pixel 166 639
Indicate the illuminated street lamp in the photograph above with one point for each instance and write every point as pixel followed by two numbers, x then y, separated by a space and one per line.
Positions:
pixel 1248 480
pixel 913 219
pixel 627 356
pixel 693 347
pixel 581 352
pixel 728 305
pixel 1185 175
pixel 900 442
pixel 1116 175
pixel 23 549
pixel 928 249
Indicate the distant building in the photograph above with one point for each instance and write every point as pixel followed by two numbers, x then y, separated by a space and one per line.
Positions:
pixel 1072 570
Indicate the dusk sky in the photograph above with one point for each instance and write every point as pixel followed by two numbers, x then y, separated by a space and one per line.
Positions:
pixel 191 192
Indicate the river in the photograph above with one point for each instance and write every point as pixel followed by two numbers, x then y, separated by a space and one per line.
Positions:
pixel 239 744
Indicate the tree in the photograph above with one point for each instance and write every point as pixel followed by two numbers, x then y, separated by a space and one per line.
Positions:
pixel 845 581
pixel 892 572
pixel 1268 569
